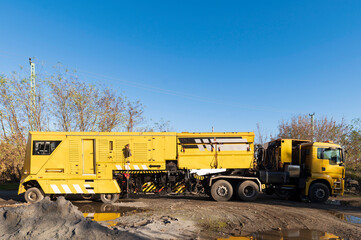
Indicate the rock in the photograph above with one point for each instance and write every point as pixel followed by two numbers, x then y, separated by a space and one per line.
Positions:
pixel 141 223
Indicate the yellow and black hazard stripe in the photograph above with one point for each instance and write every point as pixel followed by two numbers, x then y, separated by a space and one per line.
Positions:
pixel 179 187
pixel 148 187
pixel 142 172
pixel 198 177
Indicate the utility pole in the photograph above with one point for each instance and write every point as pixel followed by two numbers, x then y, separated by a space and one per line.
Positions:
pixel 32 96
pixel 312 126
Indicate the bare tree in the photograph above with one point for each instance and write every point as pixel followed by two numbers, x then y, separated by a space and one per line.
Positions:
pixel 134 115
pixel 74 103
pixel 300 127
pixel 160 126
pixel 84 101
pixel 17 117
pixel 60 86
pixel 111 111
pixel 261 135
pixel 353 145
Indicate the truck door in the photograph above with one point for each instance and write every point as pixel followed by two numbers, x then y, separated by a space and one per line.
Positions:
pixel 88 156
pixel 331 159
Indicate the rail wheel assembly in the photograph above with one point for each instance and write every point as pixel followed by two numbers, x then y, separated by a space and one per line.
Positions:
pixel 33 195
pixel 109 197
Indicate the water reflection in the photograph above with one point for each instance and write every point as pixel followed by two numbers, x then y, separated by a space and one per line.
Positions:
pixel 348 218
pixel 298 234
pixel 105 211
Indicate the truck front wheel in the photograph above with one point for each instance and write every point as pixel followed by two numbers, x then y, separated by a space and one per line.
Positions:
pixel 221 191
pixel 319 193
pixel 109 197
pixel 33 195
pixel 248 191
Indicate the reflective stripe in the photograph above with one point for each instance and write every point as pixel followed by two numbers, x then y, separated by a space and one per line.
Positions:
pixel 136 167
pixel 200 147
pixel 118 167
pixel 77 188
pixel 144 167
pixel 55 188
pixel 127 167
pixel 66 188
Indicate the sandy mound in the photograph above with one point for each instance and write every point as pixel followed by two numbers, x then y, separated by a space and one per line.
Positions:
pixel 53 220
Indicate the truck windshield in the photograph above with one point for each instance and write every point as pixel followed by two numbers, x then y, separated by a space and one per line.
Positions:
pixel 334 155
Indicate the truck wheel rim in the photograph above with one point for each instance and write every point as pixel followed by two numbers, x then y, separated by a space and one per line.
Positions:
pixel 248 191
pixel 320 193
pixel 222 191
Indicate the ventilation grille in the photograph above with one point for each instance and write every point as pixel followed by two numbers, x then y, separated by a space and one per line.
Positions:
pixel 103 149
pixel 140 151
pixel 74 156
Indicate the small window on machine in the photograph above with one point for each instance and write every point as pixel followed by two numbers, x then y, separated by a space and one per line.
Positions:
pixel 110 145
pixel 44 147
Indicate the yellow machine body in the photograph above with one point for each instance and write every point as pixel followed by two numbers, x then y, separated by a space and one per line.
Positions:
pixel 83 162
pixel 215 150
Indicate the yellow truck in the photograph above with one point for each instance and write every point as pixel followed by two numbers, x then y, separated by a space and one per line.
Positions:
pixel 110 164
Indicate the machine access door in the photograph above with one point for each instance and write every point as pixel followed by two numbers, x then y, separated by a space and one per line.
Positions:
pixel 88 156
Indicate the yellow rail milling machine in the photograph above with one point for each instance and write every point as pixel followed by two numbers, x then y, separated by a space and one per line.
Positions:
pixel 109 164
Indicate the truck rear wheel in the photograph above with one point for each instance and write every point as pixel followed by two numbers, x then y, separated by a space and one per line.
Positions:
pixel 222 191
pixel 33 195
pixel 319 193
pixel 248 191
pixel 109 197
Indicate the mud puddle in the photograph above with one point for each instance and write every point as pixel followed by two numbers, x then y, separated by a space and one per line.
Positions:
pixel 298 234
pixel 105 212
pixel 348 218
pixel 335 202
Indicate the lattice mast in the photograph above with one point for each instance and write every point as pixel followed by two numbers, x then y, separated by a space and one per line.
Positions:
pixel 32 97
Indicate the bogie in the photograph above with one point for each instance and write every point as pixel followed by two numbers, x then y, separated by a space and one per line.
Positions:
pixel 109 197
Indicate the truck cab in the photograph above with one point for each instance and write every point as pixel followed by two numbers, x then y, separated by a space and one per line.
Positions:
pixel 294 167
pixel 324 170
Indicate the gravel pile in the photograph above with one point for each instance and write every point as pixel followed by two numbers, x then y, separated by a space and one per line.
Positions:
pixel 53 220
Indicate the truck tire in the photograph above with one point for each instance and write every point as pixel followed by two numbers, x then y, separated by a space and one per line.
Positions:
pixel 318 193
pixel 33 195
pixel 109 197
pixel 222 191
pixel 248 191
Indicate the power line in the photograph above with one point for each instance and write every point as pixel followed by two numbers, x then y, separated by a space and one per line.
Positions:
pixel 176 93
pixel 180 94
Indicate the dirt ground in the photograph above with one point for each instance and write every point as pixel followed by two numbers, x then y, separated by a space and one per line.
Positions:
pixel 194 217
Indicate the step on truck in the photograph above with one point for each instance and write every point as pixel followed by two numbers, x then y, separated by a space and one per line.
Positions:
pixel 109 164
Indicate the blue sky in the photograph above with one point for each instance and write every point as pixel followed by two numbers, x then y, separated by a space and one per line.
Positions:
pixel 200 64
